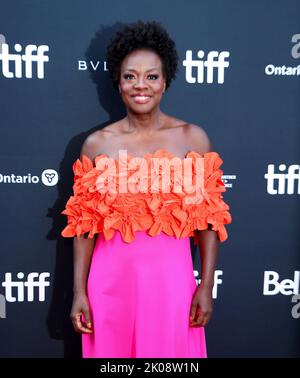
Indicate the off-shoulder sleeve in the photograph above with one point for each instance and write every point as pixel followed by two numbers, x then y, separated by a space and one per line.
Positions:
pixel 79 208
pixel 91 211
pixel 216 209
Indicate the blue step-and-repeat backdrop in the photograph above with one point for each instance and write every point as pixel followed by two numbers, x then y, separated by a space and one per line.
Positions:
pixel 238 79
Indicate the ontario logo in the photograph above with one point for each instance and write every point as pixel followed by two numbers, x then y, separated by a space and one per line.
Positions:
pixel 49 177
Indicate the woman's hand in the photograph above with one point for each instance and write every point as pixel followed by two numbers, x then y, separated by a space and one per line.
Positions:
pixel 201 307
pixel 81 307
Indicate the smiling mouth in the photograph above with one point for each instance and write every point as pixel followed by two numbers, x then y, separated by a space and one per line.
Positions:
pixel 141 99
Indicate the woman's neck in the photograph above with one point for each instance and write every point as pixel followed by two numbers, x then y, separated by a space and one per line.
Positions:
pixel 144 123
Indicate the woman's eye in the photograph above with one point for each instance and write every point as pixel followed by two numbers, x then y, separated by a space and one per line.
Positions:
pixel 130 76
pixel 127 76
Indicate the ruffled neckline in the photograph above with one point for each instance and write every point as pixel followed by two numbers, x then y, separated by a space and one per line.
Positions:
pixel 160 152
pixel 91 211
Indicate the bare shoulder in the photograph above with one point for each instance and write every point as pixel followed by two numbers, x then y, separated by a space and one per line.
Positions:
pixel 89 145
pixel 95 142
pixel 198 138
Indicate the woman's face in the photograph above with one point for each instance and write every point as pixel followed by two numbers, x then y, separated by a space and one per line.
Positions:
pixel 141 81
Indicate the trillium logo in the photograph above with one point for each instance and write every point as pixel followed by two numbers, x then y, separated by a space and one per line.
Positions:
pixel 49 177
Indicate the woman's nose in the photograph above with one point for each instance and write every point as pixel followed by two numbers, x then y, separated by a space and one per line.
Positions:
pixel 140 83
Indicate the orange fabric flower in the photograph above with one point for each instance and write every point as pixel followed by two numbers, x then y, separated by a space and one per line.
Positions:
pixel 144 206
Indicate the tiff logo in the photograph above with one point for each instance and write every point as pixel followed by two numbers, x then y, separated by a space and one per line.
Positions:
pixel 34 280
pixel 12 63
pixel 285 182
pixel 215 60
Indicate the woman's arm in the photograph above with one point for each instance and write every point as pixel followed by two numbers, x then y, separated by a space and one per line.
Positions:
pixel 208 245
pixel 202 303
pixel 82 254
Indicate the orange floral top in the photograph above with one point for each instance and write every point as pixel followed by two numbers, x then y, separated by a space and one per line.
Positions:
pixel 144 206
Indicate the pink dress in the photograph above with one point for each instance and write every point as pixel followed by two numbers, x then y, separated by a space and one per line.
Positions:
pixel 140 294
pixel 141 280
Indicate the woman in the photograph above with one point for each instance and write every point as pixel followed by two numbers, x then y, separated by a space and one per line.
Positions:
pixel 134 289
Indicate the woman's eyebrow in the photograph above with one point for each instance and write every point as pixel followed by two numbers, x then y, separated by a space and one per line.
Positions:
pixel 132 69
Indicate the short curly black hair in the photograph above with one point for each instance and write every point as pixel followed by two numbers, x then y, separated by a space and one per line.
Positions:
pixel 138 35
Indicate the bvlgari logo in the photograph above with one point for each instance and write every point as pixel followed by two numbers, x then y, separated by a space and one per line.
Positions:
pixel 92 65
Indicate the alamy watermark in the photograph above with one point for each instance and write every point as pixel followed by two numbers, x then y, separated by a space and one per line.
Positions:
pixel 188 176
pixel 2 307
pixel 296 308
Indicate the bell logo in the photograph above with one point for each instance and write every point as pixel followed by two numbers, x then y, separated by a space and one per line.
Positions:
pixel 12 63
pixel 272 285
pixel 34 280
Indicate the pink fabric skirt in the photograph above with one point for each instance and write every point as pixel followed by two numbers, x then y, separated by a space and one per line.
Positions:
pixel 140 295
